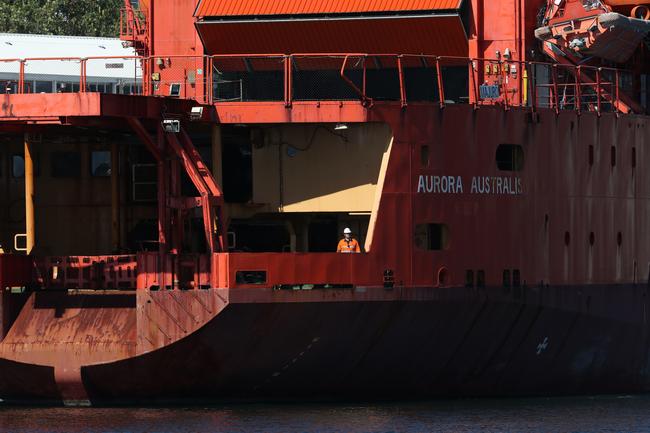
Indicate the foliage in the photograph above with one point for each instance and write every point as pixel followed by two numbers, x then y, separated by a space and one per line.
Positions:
pixel 61 17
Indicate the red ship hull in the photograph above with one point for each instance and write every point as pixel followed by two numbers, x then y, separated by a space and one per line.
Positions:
pixel 403 343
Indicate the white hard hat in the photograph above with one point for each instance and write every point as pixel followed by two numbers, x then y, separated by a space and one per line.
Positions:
pixel 347 231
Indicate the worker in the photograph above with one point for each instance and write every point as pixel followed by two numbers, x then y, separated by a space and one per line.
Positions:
pixel 348 244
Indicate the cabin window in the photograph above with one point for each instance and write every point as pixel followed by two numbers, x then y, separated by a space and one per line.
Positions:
pixel 100 163
pixel 18 166
pixel 250 277
pixel 42 87
pixel 510 157
pixel 469 278
pixel 432 237
pixel 66 164
pixel 506 278
pixel 480 278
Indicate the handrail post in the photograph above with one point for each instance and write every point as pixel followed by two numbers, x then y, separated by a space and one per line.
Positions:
pixel 532 83
pixel 82 80
pixel 21 77
pixel 578 96
pixel 441 88
pixel 556 90
pixel 402 88
pixel 210 80
pixel 617 84
pixel 504 76
pixel 365 76
pixel 598 84
pixel 287 81
pixel 474 83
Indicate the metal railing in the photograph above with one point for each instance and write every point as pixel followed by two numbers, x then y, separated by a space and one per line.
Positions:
pixel 368 78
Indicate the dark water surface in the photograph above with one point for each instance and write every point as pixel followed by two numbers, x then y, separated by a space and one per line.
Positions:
pixel 589 414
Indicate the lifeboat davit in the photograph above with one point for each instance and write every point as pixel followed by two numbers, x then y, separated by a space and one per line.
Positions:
pixel 596 29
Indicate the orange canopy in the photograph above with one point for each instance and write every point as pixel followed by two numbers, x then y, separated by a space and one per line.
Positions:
pixel 230 8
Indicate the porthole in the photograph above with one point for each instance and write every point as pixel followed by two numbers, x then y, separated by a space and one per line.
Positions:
pixel 510 157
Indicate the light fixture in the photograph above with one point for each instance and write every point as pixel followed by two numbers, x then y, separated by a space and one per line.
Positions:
pixel 196 113
pixel 340 127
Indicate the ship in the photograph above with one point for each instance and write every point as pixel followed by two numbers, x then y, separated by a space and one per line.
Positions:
pixel 175 241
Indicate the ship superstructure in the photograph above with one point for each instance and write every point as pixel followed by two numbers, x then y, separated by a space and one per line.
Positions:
pixel 177 241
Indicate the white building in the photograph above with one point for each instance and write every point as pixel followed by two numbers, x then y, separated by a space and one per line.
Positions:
pixel 114 73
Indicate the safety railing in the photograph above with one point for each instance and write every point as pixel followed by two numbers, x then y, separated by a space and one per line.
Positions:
pixel 368 78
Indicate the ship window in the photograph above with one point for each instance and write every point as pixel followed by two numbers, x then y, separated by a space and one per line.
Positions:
pixel 66 164
pixel 250 277
pixel 469 278
pixel 18 166
pixel 510 157
pixel 506 278
pixel 424 155
pixel 42 87
pixel 480 278
pixel 516 278
pixel 432 237
pixel 613 156
pixel 100 163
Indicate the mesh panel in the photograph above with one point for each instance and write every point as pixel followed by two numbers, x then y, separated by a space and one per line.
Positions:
pixel 321 78
pixel 248 79
pixel 123 76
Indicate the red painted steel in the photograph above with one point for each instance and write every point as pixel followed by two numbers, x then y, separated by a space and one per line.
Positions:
pixel 443 35
pixel 216 8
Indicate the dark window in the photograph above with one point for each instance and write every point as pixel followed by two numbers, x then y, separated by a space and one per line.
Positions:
pixel 145 182
pixel 469 278
pixel 480 278
pixel 633 157
pixel 433 237
pixel 516 278
pixel 510 157
pixel 567 238
pixel 100 163
pixel 424 155
pixel 506 278
pixel 66 164
pixel 250 277
pixel 18 166
pixel 42 87
pixel 613 156
pixel 592 238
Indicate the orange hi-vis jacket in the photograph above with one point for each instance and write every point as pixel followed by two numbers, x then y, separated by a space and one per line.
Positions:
pixel 351 246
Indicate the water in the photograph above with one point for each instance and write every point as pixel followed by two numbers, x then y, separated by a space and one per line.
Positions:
pixel 571 415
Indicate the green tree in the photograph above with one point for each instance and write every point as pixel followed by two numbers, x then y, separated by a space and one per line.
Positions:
pixel 61 17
